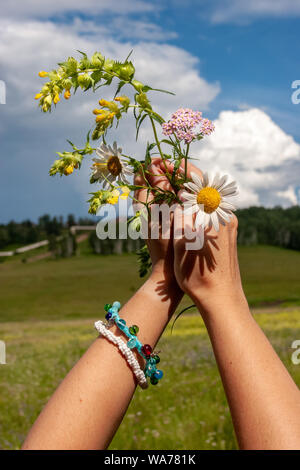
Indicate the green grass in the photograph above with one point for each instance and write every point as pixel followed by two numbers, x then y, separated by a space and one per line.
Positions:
pixel 78 287
pixel 270 275
pixel 47 310
pixel 187 410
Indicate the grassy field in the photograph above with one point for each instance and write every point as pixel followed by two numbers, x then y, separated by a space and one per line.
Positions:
pixel 47 311
pixel 78 287
pixel 187 410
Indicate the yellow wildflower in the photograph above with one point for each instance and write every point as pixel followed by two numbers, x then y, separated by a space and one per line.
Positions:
pixel 101 117
pixel 103 102
pixel 113 197
pixel 69 169
pixel 125 191
pixel 38 96
pixel 67 94
pixel 98 111
pixel 42 73
pixel 56 98
pixel 124 100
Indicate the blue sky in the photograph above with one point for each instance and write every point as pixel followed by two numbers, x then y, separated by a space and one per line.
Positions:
pixel 235 60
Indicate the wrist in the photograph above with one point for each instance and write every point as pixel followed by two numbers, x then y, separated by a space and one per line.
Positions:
pixel 163 275
pixel 218 302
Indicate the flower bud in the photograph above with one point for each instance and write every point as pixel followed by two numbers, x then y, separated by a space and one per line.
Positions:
pixel 126 71
pixel 108 65
pixel 137 85
pixel 97 60
pixel 84 80
pixel 48 100
pixel 68 170
pixel 43 74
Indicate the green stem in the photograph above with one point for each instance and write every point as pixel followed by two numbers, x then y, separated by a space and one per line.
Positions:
pixel 158 145
pixel 186 160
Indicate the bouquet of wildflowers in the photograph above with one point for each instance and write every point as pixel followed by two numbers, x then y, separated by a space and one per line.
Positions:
pixel 112 170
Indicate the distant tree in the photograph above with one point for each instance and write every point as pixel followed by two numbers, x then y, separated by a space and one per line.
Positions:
pixel 71 220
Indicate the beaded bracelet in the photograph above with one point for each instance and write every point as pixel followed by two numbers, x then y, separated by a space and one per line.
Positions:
pixel 141 378
pixel 151 358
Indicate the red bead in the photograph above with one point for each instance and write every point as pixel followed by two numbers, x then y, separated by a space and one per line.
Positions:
pixel 146 350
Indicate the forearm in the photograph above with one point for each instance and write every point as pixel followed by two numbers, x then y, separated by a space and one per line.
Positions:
pixel 88 406
pixel 264 400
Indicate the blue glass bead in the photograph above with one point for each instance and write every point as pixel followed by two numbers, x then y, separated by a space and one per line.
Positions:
pixel 112 310
pixel 152 360
pixel 150 370
pixel 131 343
pixel 108 316
pixel 121 323
pixel 117 305
pixel 158 374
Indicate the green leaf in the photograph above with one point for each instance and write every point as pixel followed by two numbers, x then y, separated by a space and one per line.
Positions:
pixel 126 60
pixel 166 141
pixel 148 88
pixel 157 118
pixel 120 86
pixel 139 125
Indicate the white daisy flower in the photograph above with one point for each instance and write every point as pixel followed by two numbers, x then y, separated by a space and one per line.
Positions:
pixel 208 197
pixel 110 166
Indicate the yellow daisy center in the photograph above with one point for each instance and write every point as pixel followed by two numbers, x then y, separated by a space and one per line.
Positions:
pixel 114 165
pixel 210 198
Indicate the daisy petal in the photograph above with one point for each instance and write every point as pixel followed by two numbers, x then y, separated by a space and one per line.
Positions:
pixel 196 179
pixel 191 209
pixel 192 187
pixel 205 179
pixel 199 219
pixel 225 215
pixel 188 196
pixel 206 220
pixel 200 236
pixel 215 221
pixel 222 181
pixel 229 192
pixel 215 180
pixel 227 205
pixel 230 185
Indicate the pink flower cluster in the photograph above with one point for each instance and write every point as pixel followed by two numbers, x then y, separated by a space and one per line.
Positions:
pixel 183 122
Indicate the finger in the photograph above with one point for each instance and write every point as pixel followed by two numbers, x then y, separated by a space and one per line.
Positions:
pixel 157 175
pixel 141 194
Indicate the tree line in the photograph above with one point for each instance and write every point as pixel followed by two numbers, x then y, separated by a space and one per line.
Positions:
pixel 275 226
pixel 27 232
pixel 257 225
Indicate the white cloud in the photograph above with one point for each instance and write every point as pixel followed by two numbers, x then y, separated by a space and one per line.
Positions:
pixel 37 9
pixel 240 11
pixel 290 195
pixel 263 159
pixel 29 46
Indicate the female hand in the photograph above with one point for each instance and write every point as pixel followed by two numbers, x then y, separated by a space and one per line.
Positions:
pixel 211 272
pixel 161 249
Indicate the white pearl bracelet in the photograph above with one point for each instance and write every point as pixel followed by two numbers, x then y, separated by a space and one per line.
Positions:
pixel 125 350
